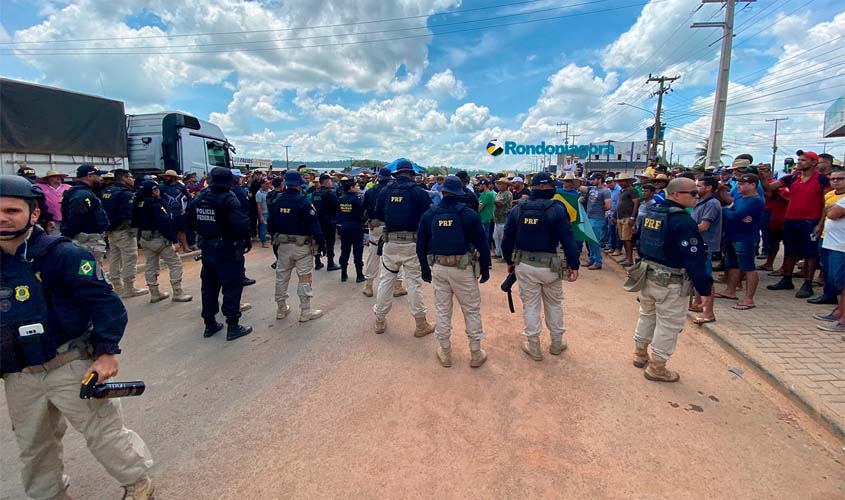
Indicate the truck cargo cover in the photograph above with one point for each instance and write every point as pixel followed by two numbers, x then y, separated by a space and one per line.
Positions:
pixel 37 119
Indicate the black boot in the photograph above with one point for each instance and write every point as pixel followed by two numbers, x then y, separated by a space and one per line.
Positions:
pixel 318 264
pixel 785 283
pixel 823 299
pixel 237 331
pixel 805 291
pixel 332 266
pixel 359 274
pixel 343 275
pixel 248 281
pixel 212 329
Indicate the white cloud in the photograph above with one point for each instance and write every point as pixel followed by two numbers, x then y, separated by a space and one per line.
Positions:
pixel 470 117
pixel 446 83
pixel 250 100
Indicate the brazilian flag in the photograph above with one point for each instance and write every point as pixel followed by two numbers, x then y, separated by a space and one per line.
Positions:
pixel 577 216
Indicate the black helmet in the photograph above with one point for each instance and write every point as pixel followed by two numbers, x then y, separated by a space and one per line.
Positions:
pixel 18 187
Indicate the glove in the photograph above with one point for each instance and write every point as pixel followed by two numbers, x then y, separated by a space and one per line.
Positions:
pixel 485 275
pixel 247 246
pixel 426 275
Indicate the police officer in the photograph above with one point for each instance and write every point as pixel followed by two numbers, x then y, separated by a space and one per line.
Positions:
pixel 123 238
pixel 60 322
pixel 372 267
pixel 468 197
pixel 296 230
pixel 674 261
pixel 325 201
pixel 158 235
pixel 403 203
pixel 533 232
pixel 46 220
pixel 351 229
pixel 450 242
pixel 242 194
pixel 83 218
pixel 223 229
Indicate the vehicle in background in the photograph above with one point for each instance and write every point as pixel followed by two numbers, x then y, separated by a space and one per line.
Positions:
pixel 55 129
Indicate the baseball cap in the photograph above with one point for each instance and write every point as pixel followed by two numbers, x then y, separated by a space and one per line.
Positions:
pixel 483 182
pixel 518 179
pixel 236 172
pixel 86 170
pixel 147 187
pixel 811 155
pixel 27 172
pixel 541 178
pixel 453 184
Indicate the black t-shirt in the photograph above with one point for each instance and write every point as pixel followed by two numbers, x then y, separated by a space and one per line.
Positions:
pixel 625 205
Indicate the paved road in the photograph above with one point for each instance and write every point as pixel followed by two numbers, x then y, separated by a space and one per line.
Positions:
pixel 331 410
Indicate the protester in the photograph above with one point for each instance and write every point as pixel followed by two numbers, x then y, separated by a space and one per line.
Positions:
pixel 708 215
pixel 597 206
pixel 503 202
pixel 626 216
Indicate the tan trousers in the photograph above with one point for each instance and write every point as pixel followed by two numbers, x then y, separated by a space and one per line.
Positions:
pixel 397 257
pixel 372 264
pixel 299 257
pixel 123 255
pixel 38 405
pixel 663 313
pixel 160 248
pixel 461 283
pixel 539 287
pixel 94 243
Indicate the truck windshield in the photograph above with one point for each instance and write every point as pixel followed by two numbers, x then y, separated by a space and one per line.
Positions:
pixel 216 154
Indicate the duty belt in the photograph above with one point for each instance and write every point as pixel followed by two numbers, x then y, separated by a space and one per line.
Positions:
pixel 400 236
pixel 536 259
pixel 72 351
pixel 149 235
pixel 296 239
pixel 665 275
pixel 459 261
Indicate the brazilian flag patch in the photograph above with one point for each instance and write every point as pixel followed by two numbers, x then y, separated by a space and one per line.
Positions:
pixel 86 268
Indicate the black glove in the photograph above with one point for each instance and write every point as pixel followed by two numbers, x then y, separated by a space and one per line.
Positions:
pixel 426 274
pixel 247 246
pixel 485 275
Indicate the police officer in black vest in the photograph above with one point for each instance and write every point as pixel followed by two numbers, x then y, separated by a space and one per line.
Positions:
pixel 295 229
pixel 60 321
pixel 533 232
pixel 351 230
pixel 674 259
pixel 325 201
pixel 222 225
pixel 453 253
pixel 123 238
pixel 83 218
pixel 242 194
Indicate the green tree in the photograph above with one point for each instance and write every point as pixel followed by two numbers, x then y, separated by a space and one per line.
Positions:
pixel 701 154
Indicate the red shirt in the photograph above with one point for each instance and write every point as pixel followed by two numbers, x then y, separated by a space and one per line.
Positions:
pixel 806 199
pixel 776 203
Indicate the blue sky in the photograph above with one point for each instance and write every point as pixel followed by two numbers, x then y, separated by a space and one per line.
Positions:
pixel 439 98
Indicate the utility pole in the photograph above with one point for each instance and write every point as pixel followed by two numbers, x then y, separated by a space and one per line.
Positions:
pixel 565 132
pixel 287 160
pixel 659 93
pixel 775 139
pixel 671 153
pixel 717 123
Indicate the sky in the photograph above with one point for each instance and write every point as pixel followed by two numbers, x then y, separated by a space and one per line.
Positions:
pixel 436 80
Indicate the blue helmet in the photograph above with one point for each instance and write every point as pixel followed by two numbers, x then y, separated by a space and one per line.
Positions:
pixel 293 178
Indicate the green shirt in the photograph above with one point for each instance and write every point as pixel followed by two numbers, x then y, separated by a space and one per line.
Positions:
pixel 487 199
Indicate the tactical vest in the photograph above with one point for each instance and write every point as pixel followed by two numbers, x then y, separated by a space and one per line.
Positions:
pixel 447 231
pixel 533 226
pixel 350 211
pixel 96 220
pixel 288 214
pixel 398 209
pixel 211 214
pixel 317 201
pixel 24 336
pixel 112 198
pixel 653 232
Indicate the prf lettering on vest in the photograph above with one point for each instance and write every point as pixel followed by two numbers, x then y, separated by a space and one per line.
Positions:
pixel 445 223
pixel 346 207
pixel 284 210
pixel 652 224
pixel 529 221
pixel 396 199
pixel 206 214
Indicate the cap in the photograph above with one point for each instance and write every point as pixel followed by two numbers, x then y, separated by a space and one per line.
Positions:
pixel 221 176
pixel 293 179
pixel 789 159
pixel 609 179
pixel 108 175
pixel 453 184
pixel 86 170
pixel 404 166
pixel 645 176
pixel 236 172
pixel 740 163
pixel 170 173
pixel 571 177
pixel 799 152
pixel 147 187
pixel 384 173
pixel 484 182
pixel 811 155
pixel 325 177
pixel 625 177
pixel 661 177
pixel 502 180
pixel 15 186
pixel 518 179
pixel 541 178
pixel 27 172
pixel 53 173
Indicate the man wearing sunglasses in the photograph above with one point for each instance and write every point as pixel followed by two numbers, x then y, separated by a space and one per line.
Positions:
pixel 674 261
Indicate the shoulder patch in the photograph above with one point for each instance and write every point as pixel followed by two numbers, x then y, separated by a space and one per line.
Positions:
pixel 86 268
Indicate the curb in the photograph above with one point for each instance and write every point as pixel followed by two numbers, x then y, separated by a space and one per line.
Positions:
pixel 781 381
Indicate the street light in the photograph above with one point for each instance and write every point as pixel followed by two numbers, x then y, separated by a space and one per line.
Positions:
pixel 636 107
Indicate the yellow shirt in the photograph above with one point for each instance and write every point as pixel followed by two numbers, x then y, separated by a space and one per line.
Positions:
pixel 830 199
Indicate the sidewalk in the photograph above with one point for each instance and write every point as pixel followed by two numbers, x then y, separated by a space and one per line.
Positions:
pixel 780 338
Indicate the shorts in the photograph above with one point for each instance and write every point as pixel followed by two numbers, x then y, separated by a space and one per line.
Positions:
pixel 836 269
pixel 625 229
pixel 708 264
pixel 739 255
pixel 796 239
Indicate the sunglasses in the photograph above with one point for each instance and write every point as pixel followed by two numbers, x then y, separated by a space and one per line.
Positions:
pixel 691 193
pixel 837 178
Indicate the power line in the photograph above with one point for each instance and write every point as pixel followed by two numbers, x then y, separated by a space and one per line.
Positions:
pixel 352 42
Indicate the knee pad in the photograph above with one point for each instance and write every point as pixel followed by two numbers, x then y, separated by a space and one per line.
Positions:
pixel 304 290
pixel 305 278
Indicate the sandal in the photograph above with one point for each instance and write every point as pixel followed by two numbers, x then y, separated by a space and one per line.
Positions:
pixel 701 321
pixel 696 309
pixel 720 295
pixel 743 307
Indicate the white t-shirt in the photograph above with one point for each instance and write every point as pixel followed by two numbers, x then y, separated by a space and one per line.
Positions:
pixel 834 238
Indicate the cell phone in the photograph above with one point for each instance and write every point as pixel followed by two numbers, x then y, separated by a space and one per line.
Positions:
pixel 33 329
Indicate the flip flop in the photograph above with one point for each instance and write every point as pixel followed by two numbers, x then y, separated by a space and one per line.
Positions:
pixel 719 295
pixel 743 307
pixel 702 321
pixel 695 309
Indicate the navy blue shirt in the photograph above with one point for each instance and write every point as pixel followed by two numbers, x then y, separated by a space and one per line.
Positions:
pixel 291 213
pixel 417 203
pixel 150 214
pixel 117 202
pixel 473 232
pixel 82 212
pixel 736 229
pixel 559 232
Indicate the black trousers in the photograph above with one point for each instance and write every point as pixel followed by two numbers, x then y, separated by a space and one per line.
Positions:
pixel 222 269
pixel 328 228
pixel 353 242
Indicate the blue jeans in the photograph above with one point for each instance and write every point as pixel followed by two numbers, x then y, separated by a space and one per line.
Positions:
pixel 613 240
pixel 593 249
pixel 764 231
pixel 262 228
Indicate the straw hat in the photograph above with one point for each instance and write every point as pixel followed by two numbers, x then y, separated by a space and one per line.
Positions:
pixel 170 173
pixel 53 173
pixel 624 177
